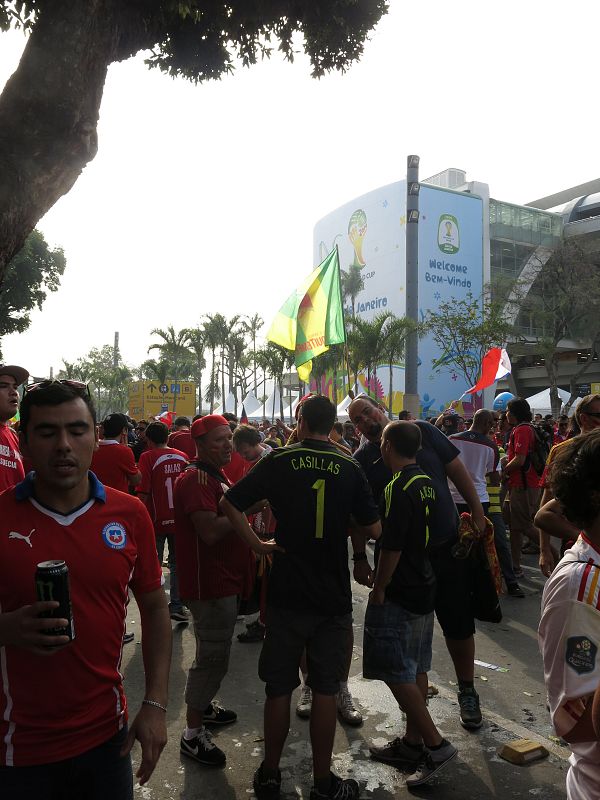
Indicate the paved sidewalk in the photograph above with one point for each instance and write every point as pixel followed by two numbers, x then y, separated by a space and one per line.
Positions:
pixel 513 706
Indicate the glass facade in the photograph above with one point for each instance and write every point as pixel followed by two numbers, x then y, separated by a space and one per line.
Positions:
pixel 524 224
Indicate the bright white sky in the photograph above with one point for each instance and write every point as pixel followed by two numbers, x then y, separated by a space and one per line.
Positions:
pixel 203 198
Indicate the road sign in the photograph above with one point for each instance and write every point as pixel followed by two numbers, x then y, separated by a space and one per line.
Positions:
pixel 147 399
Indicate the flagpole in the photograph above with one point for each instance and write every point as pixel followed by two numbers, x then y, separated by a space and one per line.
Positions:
pixel 346 357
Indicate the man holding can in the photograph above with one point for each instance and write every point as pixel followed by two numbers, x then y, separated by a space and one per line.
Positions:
pixel 63 728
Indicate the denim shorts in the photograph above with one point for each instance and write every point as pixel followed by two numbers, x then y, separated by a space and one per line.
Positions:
pixel 396 643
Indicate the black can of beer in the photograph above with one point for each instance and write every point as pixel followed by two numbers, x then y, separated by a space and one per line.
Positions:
pixel 52 583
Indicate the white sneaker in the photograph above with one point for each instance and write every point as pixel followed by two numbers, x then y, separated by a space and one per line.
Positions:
pixel 304 706
pixel 346 708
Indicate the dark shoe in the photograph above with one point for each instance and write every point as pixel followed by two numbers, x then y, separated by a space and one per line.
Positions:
pixel 433 762
pixel 255 632
pixel 202 749
pixel 514 590
pixel 398 753
pixel 215 715
pixel 530 549
pixel 128 637
pixel 470 713
pixel 266 788
pixel 179 614
pixel 340 789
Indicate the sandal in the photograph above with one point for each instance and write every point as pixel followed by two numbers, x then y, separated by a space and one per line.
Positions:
pixel 531 549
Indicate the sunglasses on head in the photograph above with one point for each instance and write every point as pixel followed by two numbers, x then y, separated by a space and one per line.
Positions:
pixel 83 388
pixel 591 413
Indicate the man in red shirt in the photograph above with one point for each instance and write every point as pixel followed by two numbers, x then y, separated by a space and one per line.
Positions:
pixel 113 462
pixel 159 467
pixel 64 722
pixel 215 568
pixel 523 480
pixel 11 464
pixel 181 438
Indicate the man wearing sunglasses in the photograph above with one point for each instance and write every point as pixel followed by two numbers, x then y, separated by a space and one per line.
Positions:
pixel 63 732
pixel 11 465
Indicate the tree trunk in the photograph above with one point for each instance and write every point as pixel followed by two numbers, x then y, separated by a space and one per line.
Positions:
pixel 223 380
pixel 555 401
pixel 50 106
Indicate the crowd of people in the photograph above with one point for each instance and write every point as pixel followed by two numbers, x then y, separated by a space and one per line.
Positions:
pixel 260 518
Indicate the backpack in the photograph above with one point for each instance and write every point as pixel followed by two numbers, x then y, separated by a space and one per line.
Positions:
pixel 538 456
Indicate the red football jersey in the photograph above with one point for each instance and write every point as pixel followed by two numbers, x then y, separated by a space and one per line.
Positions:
pixel 160 468
pixel 59 706
pixel 182 440
pixel 11 465
pixel 113 463
pixel 207 572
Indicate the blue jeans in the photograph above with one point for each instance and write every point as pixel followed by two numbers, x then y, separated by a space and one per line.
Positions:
pixel 98 774
pixel 175 601
pixel 503 548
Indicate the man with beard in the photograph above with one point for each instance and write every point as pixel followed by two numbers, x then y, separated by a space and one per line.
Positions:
pixel 439 459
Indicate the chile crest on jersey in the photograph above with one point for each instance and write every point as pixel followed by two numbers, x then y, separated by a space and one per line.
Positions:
pixel 114 535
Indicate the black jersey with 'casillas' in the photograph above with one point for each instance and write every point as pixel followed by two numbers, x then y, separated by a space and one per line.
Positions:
pixel 312 489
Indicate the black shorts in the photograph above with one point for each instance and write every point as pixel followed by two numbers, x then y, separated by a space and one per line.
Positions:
pixel 453 598
pixel 327 641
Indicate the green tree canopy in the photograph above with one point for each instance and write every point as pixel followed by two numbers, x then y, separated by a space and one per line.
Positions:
pixel 32 273
pixel 50 106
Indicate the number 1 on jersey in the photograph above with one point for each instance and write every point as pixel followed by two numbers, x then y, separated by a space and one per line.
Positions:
pixel 319 487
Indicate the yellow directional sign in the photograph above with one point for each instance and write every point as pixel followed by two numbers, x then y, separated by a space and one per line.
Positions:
pixel 150 398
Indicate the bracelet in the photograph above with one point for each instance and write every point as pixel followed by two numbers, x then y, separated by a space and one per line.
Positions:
pixel 154 704
pixel 359 556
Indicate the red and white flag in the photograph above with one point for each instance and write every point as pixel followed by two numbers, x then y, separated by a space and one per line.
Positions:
pixel 495 365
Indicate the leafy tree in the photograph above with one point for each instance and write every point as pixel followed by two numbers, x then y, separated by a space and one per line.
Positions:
pixel 108 383
pixel 464 330
pixel 50 106
pixel 276 361
pixel 155 370
pixel 562 303
pixel 33 272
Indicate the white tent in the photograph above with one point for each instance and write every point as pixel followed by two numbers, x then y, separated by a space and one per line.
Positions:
pixel 342 409
pixel 250 403
pixel 228 405
pixel 540 402
pixel 266 411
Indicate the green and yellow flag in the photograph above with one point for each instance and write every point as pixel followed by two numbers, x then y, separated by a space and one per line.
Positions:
pixel 312 317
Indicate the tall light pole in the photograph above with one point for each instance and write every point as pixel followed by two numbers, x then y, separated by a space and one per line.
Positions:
pixel 411 388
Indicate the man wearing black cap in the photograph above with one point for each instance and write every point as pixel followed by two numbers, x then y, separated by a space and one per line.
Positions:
pixel 113 462
pixel 11 465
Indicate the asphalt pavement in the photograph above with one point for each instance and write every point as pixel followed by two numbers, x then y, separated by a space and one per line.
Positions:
pixel 513 704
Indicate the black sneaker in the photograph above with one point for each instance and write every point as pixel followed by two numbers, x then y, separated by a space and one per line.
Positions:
pixel 432 763
pixel 202 749
pixel 128 637
pixel 215 715
pixel 399 753
pixel 266 788
pixel 340 789
pixel 514 590
pixel 470 713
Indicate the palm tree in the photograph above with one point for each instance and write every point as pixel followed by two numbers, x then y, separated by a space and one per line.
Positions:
pixel 365 342
pixel 352 284
pixel 252 326
pixel 394 341
pixel 196 342
pixel 155 370
pixel 213 332
pixel 174 349
pixel 277 359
